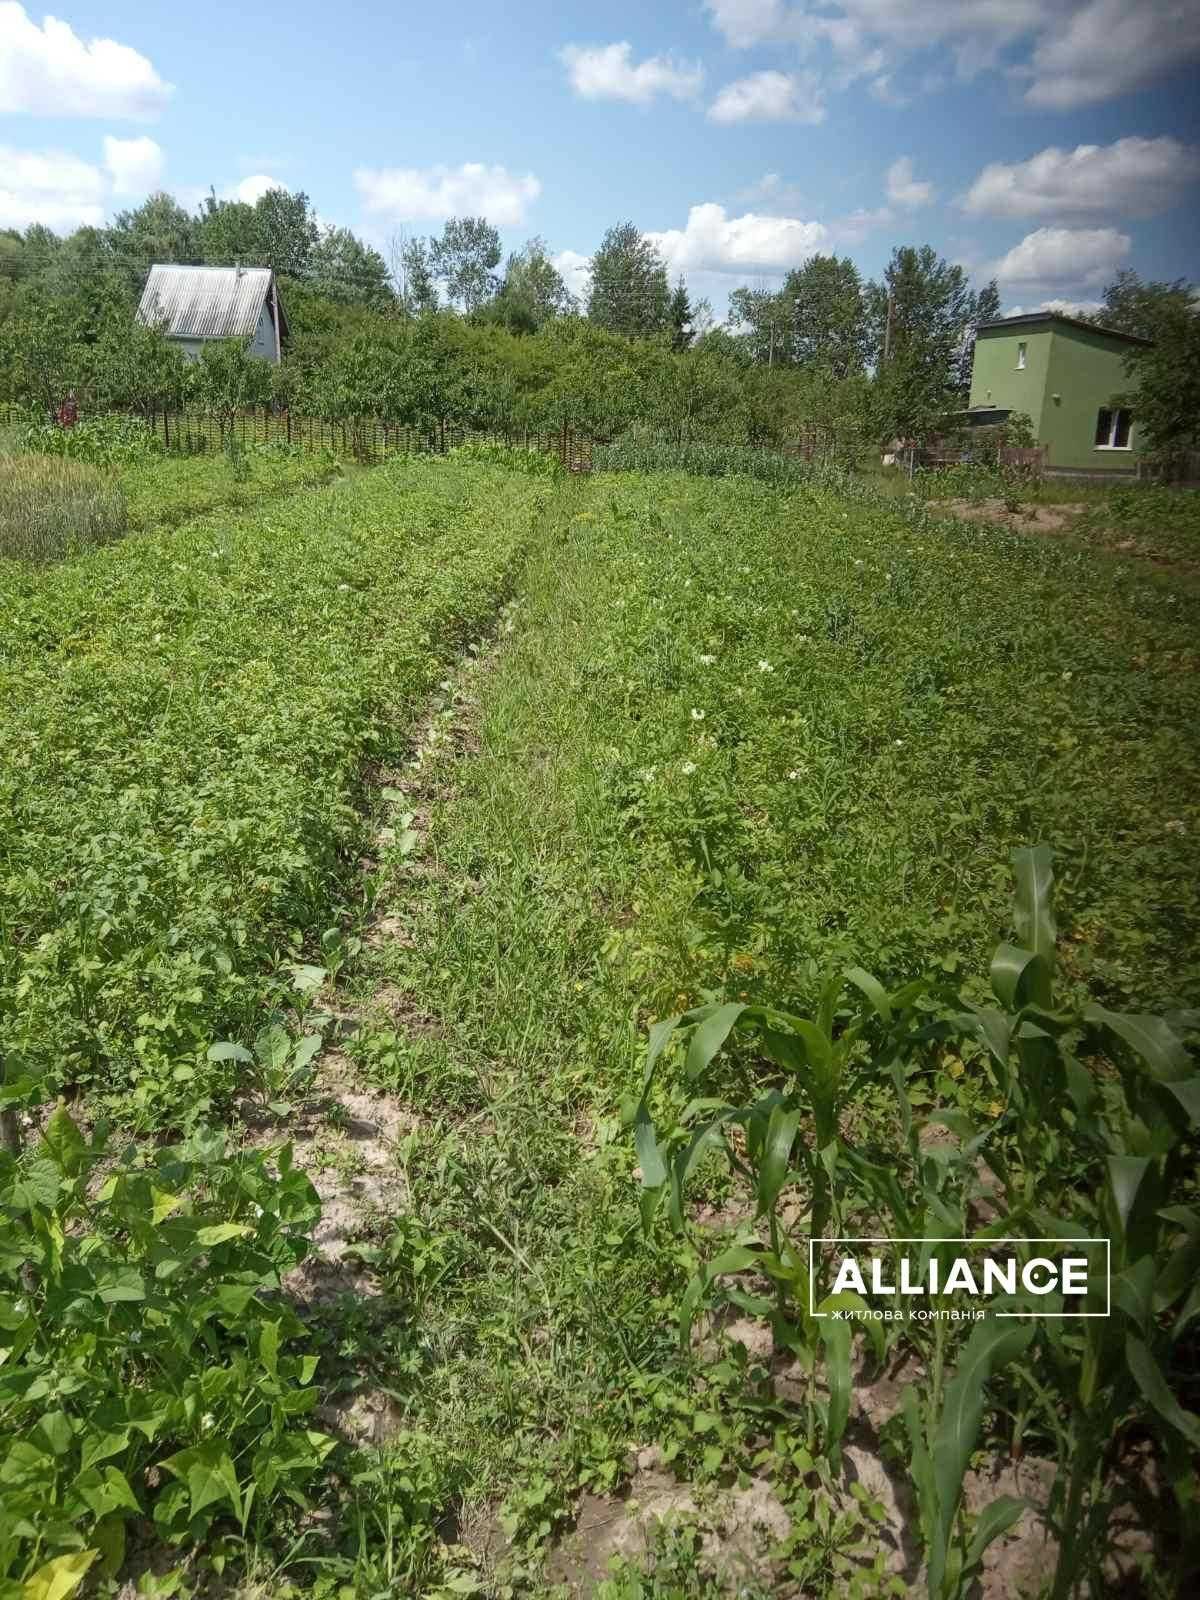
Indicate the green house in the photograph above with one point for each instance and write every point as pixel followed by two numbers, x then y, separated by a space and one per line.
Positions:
pixel 1065 376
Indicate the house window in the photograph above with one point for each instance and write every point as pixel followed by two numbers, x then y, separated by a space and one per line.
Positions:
pixel 1113 428
pixel 1021 356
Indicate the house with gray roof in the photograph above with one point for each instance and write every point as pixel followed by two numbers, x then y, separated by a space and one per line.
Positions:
pixel 194 304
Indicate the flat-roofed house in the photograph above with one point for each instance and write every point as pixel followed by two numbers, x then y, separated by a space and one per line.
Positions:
pixel 1066 376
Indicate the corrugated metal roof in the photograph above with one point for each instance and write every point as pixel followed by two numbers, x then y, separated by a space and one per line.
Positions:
pixel 205 302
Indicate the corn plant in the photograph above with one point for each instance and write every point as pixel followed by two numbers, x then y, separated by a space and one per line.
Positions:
pixel 1061 1125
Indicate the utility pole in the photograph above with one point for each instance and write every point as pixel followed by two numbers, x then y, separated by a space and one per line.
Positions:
pixel 887 331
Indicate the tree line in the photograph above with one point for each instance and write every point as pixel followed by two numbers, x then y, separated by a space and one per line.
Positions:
pixel 448 329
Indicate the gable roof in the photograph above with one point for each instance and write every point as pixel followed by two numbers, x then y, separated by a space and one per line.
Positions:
pixel 206 302
pixel 1029 318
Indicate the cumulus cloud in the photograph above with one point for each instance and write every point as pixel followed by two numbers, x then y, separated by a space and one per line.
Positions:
pixel 770 97
pixel 52 187
pixel 1133 177
pixel 1069 308
pixel 903 189
pixel 1066 256
pixel 412 193
pixel 1067 53
pixel 1106 48
pixel 712 241
pixel 575 271
pixel 136 166
pixel 609 72
pixel 251 190
pixel 51 72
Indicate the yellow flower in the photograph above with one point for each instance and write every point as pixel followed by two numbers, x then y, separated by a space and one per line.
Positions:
pixel 955 1068
pixel 995 1108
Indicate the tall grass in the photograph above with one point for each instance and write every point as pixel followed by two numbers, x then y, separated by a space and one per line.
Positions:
pixel 49 507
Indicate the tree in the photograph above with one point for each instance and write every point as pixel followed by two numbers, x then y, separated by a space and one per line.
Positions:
pixel 136 368
pixel 630 293
pixel 532 292
pixel 343 268
pixel 921 313
pixel 226 380
pixel 1145 309
pixel 157 230
pixel 287 231
pixel 464 260
pixel 987 309
pixel 680 313
pixel 42 355
pixel 1166 382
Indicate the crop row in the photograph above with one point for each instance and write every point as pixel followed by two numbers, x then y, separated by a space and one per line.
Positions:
pixel 187 715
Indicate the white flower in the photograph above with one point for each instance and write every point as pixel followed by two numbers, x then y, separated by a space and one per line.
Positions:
pixel 707 661
pixel 765 666
pixel 795 774
pixel 898 743
pixel 697 716
pixel 688 768
pixel 1175 827
pixel 802 638
pixel 343 588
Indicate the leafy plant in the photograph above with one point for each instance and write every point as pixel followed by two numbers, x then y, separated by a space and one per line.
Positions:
pixel 149 1368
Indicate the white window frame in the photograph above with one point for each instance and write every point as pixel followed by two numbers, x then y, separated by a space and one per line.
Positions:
pixel 1021 350
pixel 1114 424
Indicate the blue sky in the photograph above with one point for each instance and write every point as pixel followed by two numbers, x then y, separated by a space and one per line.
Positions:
pixel 1047 141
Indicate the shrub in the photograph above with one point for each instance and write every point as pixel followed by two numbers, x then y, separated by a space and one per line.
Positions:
pixel 638 453
pixel 534 463
pixel 49 508
pixel 146 1370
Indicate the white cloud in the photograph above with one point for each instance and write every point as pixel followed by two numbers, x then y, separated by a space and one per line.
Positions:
pixel 51 72
pixel 903 189
pixel 52 187
pixel 715 242
pixel 1068 53
pixel 136 166
pixel 251 190
pixel 575 270
pixel 608 72
pixel 1133 177
pixel 1108 47
pixel 1066 256
pixel 412 193
pixel 770 97
pixel 853 229
pixel 1069 308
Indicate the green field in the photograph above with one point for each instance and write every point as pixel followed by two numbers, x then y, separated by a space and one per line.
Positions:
pixel 391 819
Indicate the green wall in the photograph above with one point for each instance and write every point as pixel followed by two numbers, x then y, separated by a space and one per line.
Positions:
pixel 996 379
pixel 1086 371
pixel 1082 367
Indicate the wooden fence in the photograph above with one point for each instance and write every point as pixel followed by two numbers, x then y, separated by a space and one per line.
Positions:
pixel 366 439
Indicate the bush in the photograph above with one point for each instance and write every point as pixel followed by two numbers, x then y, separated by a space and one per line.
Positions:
pixel 49 508
pixel 636 452
pixel 145 1373
pixel 534 463
pixel 111 441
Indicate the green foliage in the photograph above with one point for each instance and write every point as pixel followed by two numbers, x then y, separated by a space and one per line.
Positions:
pixel 150 1369
pixel 104 441
pixel 226 379
pixel 51 508
pixel 629 291
pixel 226 682
pixel 533 463
pixel 1071 1153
